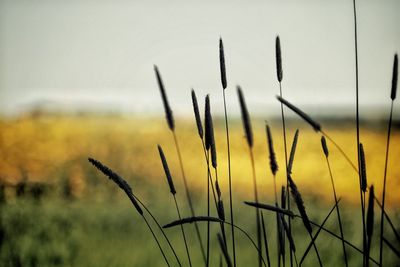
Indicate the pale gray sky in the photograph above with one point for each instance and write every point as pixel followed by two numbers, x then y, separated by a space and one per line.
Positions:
pixel 101 53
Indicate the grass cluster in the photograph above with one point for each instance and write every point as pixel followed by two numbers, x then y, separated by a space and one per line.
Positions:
pixel 283 238
pixel 216 225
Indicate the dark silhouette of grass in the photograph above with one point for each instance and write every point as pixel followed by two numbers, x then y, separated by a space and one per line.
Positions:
pixel 128 191
pixel 249 137
pixel 173 192
pixel 392 97
pixel 326 152
pixel 224 85
pixel 283 214
pixel 171 125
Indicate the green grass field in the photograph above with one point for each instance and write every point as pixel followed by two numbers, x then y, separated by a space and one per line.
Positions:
pixel 109 232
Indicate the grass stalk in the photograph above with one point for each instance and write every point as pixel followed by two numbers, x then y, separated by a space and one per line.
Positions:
pixel 274 168
pixel 283 206
pixel 220 207
pixel 387 218
pixel 208 209
pixel 296 216
pixel 224 250
pixel 317 127
pixel 362 198
pixel 155 238
pixel 326 152
pixel 214 220
pixel 265 240
pixel 338 237
pixel 370 222
pixel 224 85
pixel 183 231
pixel 340 150
pixel 358 122
pixel 188 196
pixel 300 206
pixel 279 72
pixel 393 97
pixel 395 250
pixel 317 233
pixel 173 193
pixel 206 156
pixel 250 141
pixel 171 125
pixel 118 180
pixel 259 244
pixel 159 227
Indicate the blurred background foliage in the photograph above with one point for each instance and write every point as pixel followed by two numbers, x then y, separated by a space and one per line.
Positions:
pixel 57 210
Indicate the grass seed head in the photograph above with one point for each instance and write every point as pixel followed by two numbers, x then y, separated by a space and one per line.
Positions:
pixel 118 180
pixel 363 169
pixel 222 64
pixel 316 126
pixel 208 124
pixel 324 146
pixel 167 108
pixel 300 204
pixel 292 152
pixel 272 158
pixel 245 117
pixel 166 170
pixel 394 78
pixel 278 55
pixel 370 212
pixel 197 114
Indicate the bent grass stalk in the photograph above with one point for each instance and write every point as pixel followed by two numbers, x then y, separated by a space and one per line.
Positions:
pixel 270 208
pixel 213 219
pixel 128 191
pixel 317 127
pixel 159 227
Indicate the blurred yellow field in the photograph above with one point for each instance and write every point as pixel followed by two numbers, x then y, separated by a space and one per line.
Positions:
pixel 54 148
